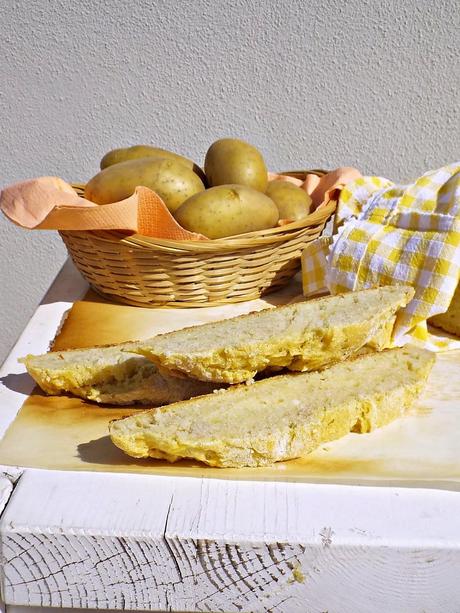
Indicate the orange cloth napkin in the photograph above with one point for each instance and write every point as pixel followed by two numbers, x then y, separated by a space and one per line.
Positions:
pixel 49 203
pixel 320 189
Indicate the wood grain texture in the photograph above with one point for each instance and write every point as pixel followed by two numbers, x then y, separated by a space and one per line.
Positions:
pixel 131 542
pixel 6 487
pixel 137 542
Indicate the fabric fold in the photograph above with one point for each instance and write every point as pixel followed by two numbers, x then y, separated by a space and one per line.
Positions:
pixel 49 203
pixel 391 234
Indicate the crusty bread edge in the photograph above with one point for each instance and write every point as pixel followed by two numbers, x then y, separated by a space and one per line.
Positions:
pixel 254 314
pixel 367 418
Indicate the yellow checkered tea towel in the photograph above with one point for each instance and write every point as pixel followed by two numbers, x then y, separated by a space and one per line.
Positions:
pixel 387 234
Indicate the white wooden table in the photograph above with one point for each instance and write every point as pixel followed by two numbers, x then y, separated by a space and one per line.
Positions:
pixel 82 540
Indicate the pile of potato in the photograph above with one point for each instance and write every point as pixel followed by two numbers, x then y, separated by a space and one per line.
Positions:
pixel 232 195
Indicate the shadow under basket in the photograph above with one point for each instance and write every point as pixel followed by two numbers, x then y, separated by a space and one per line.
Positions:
pixel 150 272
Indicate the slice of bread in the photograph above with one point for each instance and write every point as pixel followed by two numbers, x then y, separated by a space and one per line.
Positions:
pixel 450 320
pixel 109 375
pixel 282 417
pixel 301 336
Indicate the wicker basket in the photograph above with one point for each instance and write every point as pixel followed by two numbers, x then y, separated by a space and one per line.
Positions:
pixel 150 272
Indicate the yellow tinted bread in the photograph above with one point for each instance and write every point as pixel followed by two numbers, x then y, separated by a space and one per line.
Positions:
pixel 282 417
pixel 450 320
pixel 302 336
pixel 109 375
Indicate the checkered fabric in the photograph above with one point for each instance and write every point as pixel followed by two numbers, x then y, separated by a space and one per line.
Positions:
pixel 387 234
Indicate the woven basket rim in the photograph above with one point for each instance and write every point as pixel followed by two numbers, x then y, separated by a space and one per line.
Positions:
pixel 247 240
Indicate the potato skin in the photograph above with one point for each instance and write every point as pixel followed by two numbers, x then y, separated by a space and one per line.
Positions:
pixel 233 161
pixel 227 210
pixel 115 156
pixel 292 202
pixel 171 180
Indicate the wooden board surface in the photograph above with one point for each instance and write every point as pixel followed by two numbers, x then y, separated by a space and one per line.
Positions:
pixel 154 543
pixel 135 542
pixel 71 434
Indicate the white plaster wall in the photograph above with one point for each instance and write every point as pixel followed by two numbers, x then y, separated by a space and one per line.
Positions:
pixel 312 84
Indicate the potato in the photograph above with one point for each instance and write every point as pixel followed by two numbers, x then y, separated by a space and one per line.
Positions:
pixel 292 202
pixel 170 179
pixel 232 161
pixel 146 151
pixel 227 210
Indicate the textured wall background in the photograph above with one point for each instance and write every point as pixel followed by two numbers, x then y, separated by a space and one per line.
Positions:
pixel 321 83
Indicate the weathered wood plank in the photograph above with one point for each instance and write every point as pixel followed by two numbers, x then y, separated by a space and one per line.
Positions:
pixel 6 487
pixel 139 542
pixel 106 541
